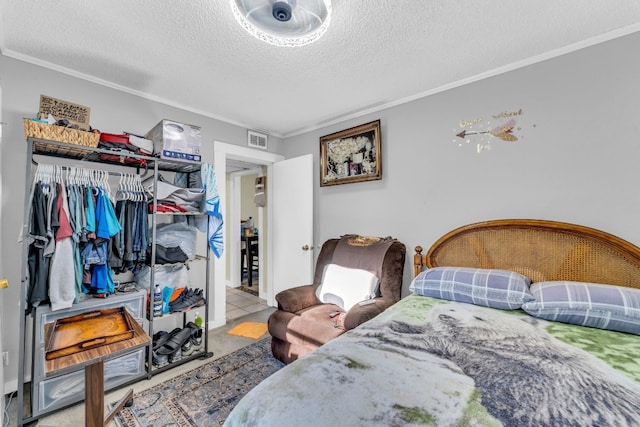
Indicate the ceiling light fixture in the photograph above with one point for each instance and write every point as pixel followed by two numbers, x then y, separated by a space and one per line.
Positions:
pixel 289 23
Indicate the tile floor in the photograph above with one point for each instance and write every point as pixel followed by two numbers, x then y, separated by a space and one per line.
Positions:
pixel 241 307
pixel 240 303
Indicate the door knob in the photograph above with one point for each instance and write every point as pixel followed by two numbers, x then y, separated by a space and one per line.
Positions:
pixel 305 248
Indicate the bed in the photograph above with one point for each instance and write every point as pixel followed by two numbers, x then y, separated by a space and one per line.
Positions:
pixel 492 334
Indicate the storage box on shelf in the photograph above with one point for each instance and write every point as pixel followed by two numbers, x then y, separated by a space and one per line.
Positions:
pixel 36 129
pixel 173 140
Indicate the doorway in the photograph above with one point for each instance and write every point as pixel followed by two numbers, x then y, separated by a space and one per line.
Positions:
pixel 244 278
pixel 244 213
pixel 233 154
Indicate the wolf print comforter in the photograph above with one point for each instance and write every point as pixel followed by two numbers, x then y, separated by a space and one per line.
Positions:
pixel 432 362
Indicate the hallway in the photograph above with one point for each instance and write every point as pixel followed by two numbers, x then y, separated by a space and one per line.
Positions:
pixel 240 303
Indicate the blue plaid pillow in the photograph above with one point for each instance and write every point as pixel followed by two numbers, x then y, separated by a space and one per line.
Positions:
pixel 503 289
pixel 588 304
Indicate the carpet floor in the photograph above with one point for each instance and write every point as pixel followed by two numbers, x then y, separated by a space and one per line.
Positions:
pixel 204 396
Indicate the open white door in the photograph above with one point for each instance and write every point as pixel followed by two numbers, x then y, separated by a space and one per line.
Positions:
pixel 290 186
pixel 1 276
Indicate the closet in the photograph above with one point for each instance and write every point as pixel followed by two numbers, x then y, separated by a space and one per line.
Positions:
pixel 111 268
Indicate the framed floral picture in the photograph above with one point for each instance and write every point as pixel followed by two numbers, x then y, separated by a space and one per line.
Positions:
pixel 351 155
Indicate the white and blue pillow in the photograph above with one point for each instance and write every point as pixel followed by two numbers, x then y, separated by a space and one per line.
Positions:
pixel 588 304
pixel 345 287
pixel 495 288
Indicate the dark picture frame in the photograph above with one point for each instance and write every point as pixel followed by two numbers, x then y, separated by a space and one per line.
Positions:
pixel 351 155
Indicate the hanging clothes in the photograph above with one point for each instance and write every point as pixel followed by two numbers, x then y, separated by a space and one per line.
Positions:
pixel 62 273
pixel 95 255
pixel 90 210
pixel 130 244
pixel 38 264
pixel 116 250
pixel 51 194
pixel 76 218
pixel 74 229
pixel 107 224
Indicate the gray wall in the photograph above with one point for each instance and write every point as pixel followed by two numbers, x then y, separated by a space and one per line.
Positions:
pixel 576 160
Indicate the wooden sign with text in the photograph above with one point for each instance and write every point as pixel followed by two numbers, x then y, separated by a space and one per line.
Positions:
pixel 76 114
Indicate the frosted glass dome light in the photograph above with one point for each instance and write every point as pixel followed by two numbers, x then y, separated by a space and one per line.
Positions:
pixel 287 23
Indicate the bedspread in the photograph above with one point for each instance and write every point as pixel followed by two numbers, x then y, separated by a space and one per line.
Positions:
pixel 426 361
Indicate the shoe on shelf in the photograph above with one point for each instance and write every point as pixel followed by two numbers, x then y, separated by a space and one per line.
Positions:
pixel 187 348
pixel 161 337
pixel 160 360
pixel 196 334
pixel 176 355
pixel 184 295
pixel 172 347
pixel 188 299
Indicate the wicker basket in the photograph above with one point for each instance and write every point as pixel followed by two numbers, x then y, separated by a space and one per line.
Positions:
pixel 39 130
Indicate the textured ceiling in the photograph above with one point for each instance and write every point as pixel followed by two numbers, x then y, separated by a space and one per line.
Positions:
pixel 193 55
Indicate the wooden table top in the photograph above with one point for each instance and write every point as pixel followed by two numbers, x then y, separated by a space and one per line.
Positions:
pixel 72 362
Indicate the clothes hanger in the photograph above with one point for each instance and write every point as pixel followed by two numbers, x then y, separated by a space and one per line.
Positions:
pixel 130 193
pixel 70 178
pixel 139 188
pixel 120 194
pixel 132 190
pixel 58 175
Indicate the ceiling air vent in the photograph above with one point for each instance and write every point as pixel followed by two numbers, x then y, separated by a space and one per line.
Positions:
pixel 257 140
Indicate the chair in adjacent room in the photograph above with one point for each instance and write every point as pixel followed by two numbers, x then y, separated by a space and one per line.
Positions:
pixel 249 260
pixel 355 279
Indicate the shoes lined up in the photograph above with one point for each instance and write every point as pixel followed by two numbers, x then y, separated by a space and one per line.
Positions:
pixel 170 347
pixel 188 299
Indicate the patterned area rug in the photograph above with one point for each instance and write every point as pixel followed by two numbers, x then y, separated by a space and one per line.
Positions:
pixel 205 395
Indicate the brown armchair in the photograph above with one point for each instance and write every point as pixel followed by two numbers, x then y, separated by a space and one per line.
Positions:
pixel 302 322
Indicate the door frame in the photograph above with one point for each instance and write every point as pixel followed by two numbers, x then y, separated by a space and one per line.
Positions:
pixel 2 310
pixel 223 151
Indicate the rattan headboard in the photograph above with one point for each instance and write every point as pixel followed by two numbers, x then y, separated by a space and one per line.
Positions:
pixel 539 249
